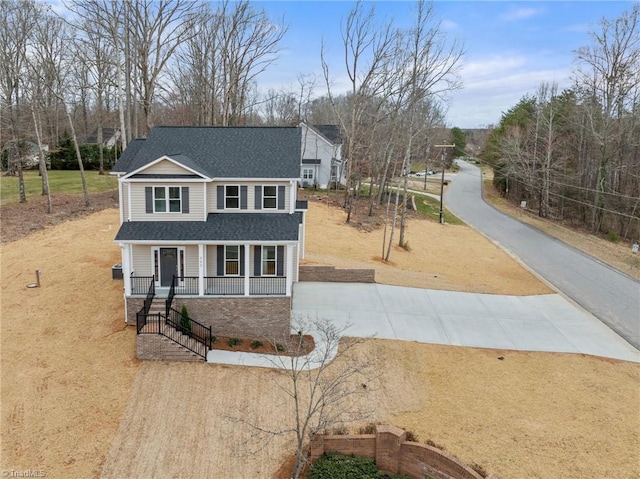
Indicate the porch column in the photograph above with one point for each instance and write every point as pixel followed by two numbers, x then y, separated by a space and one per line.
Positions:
pixel 201 262
pixel 126 267
pixel 289 268
pixel 247 269
pixel 293 194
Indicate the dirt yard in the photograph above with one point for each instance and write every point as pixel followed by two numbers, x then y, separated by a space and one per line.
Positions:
pixel 77 404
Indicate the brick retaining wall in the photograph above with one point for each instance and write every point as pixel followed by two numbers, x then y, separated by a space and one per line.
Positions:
pixel 393 454
pixel 331 274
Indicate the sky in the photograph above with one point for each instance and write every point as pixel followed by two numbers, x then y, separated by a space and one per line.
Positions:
pixel 511 47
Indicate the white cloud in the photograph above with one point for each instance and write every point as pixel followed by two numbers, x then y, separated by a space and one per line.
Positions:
pixel 520 13
pixel 449 25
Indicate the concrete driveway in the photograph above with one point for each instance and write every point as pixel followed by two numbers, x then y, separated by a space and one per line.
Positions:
pixel 527 323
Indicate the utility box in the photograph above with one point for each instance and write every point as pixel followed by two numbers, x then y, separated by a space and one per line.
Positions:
pixel 116 271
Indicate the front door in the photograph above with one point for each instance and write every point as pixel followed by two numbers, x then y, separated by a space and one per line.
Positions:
pixel 168 265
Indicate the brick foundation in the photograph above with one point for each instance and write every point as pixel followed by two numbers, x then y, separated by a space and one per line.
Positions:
pixel 154 347
pixel 395 455
pixel 255 317
pixel 268 318
pixel 330 274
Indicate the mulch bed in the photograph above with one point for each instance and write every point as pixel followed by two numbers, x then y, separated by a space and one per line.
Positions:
pixel 18 220
pixel 262 346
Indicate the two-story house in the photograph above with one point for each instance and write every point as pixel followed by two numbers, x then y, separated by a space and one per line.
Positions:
pixel 322 164
pixel 210 219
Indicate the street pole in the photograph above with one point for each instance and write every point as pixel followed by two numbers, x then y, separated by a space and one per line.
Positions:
pixel 442 181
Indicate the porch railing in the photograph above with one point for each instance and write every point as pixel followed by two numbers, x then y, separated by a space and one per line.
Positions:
pixel 186 285
pixel 268 285
pixel 172 293
pixel 215 286
pixel 187 333
pixel 140 284
pixel 141 316
pixel 194 330
pixel 223 286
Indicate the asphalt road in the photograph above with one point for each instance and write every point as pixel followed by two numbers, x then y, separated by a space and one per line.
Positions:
pixel 611 296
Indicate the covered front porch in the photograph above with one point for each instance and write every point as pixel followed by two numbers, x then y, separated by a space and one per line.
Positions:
pixel 213 286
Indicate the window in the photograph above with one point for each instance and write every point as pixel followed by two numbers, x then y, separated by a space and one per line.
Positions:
pixel 231 261
pixel 268 261
pixel 232 197
pixel 270 197
pixel 307 174
pixel 167 199
pixel 334 172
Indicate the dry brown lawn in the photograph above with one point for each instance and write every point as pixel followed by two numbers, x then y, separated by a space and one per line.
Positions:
pixel 77 404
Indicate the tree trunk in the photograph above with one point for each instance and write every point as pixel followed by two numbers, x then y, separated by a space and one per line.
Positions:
pixel 42 165
pixel 85 191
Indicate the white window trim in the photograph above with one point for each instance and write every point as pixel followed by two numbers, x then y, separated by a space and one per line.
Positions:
pixel 305 174
pixel 263 260
pixel 225 261
pixel 239 197
pixel 167 199
pixel 275 207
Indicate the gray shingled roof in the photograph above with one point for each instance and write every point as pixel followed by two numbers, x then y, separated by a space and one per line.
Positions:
pixel 218 227
pixel 221 152
pixel 330 132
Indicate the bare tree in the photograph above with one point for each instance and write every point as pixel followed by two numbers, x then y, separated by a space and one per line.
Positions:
pixel 106 36
pixel 19 16
pixel 52 58
pixel 362 36
pixel 324 386
pixel 250 44
pixel 431 70
pixel 609 73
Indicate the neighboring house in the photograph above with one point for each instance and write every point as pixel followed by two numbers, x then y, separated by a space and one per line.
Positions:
pixel 32 155
pixel 210 219
pixel 322 164
pixel 110 137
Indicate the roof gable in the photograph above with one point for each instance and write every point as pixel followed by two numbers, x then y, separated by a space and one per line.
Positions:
pixel 178 165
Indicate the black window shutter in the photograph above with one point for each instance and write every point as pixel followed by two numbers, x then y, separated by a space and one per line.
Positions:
pixel 280 261
pixel 243 197
pixel 185 199
pixel 257 258
pixel 220 262
pixel 148 195
pixel 280 197
pixel 258 204
pixel 220 197
pixel 242 259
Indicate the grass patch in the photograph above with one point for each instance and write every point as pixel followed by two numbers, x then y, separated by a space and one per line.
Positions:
pixel 67 181
pixel 429 208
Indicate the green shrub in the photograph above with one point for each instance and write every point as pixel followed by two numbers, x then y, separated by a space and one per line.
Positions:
pixel 613 236
pixel 233 342
pixel 280 348
pixel 339 466
pixel 256 344
pixel 185 323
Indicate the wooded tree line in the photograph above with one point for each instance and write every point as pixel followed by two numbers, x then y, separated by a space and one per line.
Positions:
pixel 134 64
pixel 574 155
